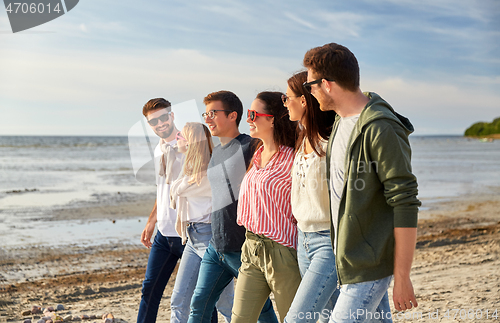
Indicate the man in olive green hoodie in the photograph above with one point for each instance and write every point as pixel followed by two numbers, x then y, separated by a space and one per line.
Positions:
pixel 373 193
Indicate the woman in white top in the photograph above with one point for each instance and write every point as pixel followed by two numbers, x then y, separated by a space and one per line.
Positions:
pixel 191 195
pixel 317 292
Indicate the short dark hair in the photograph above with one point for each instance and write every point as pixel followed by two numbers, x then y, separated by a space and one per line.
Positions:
pixel 155 104
pixel 230 102
pixel 334 61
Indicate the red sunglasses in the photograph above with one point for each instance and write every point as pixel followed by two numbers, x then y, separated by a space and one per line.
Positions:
pixel 252 114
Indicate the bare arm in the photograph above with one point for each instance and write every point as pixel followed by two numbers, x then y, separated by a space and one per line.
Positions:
pixel 403 294
pixel 147 233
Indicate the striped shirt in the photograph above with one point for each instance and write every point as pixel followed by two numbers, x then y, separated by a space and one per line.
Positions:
pixel 265 203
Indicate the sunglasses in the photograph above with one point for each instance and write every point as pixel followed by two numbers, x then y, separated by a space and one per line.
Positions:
pixel 179 136
pixel 252 115
pixel 307 85
pixel 163 118
pixel 285 98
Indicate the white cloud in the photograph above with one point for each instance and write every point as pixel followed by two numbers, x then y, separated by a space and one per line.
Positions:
pixel 78 86
pixel 300 21
pixel 439 106
pixel 343 24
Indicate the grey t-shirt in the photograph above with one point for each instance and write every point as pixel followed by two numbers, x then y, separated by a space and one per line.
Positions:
pixel 337 163
pixel 225 172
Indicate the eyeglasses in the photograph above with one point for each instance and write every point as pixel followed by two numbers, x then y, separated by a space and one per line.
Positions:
pixel 252 114
pixel 285 98
pixel 211 114
pixel 307 85
pixel 163 118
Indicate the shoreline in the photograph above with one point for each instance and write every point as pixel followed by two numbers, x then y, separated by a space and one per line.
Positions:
pixel 492 136
pixel 455 267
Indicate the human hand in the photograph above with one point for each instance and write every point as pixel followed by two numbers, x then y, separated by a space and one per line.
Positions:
pixel 146 235
pixel 403 295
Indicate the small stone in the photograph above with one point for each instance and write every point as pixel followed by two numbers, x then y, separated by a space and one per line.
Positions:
pixel 93 316
pixel 49 321
pixel 108 318
pixel 27 321
pixel 77 318
pixel 45 318
pixel 50 309
pixel 60 307
pixel 36 309
pixel 40 321
pixel 28 312
pixel 67 318
pixel 85 317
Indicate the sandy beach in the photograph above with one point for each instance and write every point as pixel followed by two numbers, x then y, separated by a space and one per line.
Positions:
pixel 455 270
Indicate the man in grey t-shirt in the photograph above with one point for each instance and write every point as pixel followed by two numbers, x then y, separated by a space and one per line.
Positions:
pixel 226 169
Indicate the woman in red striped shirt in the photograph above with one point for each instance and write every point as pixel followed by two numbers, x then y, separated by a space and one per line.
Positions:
pixel 269 256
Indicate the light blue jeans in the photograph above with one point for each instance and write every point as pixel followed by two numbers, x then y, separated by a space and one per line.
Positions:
pixel 363 302
pixel 199 235
pixel 216 271
pixel 318 291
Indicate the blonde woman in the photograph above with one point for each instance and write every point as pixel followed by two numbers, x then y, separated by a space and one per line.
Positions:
pixel 192 197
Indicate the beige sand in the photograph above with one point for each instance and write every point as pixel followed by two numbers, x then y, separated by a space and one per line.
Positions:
pixel 456 268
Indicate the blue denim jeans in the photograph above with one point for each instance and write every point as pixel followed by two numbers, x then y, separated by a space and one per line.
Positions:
pixel 163 257
pixel 318 291
pixel 199 235
pixel 217 270
pixel 363 302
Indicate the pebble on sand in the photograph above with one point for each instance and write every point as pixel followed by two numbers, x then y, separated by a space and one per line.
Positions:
pixel 36 309
pixel 60 307
pixel 27 321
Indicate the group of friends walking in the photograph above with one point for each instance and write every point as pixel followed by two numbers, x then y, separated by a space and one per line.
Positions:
pixel 318 205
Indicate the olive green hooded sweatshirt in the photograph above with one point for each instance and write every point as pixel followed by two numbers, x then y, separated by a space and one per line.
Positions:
pixel 380 193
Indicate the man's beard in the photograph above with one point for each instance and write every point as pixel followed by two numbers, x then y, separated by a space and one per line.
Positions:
pixel 165 134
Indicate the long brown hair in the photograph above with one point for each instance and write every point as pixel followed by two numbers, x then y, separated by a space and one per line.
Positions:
pixel 199 151
pixel 317 123
pixel 284 130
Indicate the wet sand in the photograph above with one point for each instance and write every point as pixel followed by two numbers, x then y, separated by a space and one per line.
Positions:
pixel 455 268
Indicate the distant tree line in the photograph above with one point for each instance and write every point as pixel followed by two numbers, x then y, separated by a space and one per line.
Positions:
pixel 483 128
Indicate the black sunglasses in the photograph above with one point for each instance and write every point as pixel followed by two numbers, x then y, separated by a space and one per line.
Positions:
pixel 307 85
pixel 163 118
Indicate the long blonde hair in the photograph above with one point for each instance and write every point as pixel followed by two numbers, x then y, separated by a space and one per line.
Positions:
pixel 199 151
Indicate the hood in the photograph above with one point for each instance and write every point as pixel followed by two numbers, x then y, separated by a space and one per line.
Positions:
pixel 378 108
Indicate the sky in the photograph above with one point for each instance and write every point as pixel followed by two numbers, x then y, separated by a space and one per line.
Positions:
pixel 90 71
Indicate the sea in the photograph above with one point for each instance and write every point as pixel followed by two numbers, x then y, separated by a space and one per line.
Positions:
pixel 41 174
